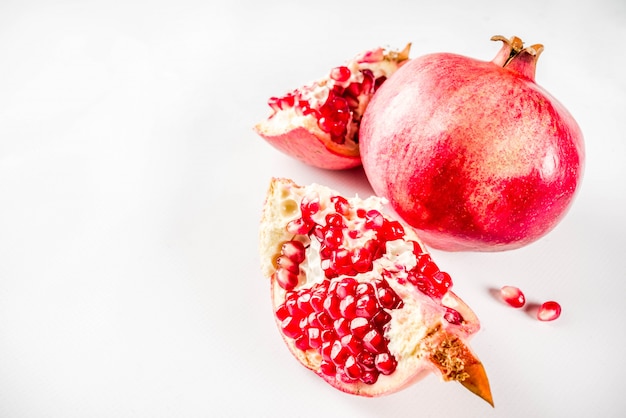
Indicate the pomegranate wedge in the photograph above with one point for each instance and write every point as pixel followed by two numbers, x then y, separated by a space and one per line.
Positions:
pixel 358 299
pixel 318 123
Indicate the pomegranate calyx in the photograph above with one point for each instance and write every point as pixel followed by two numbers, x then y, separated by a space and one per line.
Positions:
pixel 514 57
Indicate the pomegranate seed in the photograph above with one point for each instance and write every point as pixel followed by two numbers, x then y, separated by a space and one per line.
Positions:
pixel 304 302
pixel 300 226
pixel 352 344
pixel 286 279
pixel 367 360
pixel 340 74
pixel 381 318
pixel 347 307
pixel 331 306
pixel 388 298
pixel 369 377
pixel 352 368
pixel 361 260
pixel 374 341
pixel 314 337
pixel 282 313
pixel 342 206
pixel 366 306
pixel 346 287
pixel 291 327
pixel 385 363
pixel 339 353
pixel 359 327
pixel 283 262
pixel 328 368
pixel 302 342
pixel 513 296
pixel 453 316
pixel 549 311
pixel 341 327
pixel 294 251
pixel 326 349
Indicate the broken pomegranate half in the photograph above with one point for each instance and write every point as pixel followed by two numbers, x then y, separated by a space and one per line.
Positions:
pixel 318 123
pixel 358 299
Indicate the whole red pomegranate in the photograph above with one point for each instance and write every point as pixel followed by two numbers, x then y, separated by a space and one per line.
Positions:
pixel 318 123
pixel 357 298
pixel 473 154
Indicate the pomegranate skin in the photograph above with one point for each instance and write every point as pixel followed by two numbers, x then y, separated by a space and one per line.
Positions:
pixel 473 154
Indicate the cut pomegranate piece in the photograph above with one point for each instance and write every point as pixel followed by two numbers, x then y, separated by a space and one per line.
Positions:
pixel 318 123
pixel 513 296
pixel 549 311
pixel 370 330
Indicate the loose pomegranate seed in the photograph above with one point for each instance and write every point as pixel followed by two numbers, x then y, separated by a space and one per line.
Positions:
pixel 513 296
pixel 549 311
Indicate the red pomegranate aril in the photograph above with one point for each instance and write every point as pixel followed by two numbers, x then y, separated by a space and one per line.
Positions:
pixel 339 353
pixel 331 306
pixel 549 311
pixel 374 341
pixel 326 350
pixel 304 302
pixel 285 263
pixel 352 343
pixel 282 313
pixel 317 301
pixel 341 327
pixel 302 342
pixel 291 327
pixel 453 316
pixel 300 226
pixel 286 279
pixel 328 335
pixel 342 206
pixel 388 298
pixel 369 377
pixel 314 337
pixel 359 327
pixel 346 287
pixel 385 363
pixel 367 360
pixel 347 307
pixel 328 368
pixel 366 306
pixel 294 250
pixel 513 296
pixel 381 318
pixel 324 319
pixel 352 368
pixel 340 74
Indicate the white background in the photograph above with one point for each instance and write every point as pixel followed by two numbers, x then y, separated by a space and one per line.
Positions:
pixel 131 185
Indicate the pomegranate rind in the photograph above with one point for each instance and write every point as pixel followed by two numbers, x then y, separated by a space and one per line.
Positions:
pixel 310 145
pixel 420 340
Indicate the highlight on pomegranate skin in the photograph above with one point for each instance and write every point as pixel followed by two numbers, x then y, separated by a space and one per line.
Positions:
pixel 318 123
pixel 474 154
pixel 358 299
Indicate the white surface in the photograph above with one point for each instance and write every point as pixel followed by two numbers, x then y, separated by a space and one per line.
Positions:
pixel 131 185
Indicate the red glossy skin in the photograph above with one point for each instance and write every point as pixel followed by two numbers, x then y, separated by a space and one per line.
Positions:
pixel 474 155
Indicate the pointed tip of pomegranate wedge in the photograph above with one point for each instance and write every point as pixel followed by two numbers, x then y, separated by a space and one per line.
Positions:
pixel 357 298
pixel 318 123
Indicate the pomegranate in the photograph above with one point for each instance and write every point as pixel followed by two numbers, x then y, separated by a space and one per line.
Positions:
pixel 473 154
pixel 318 123
pixel 358 299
